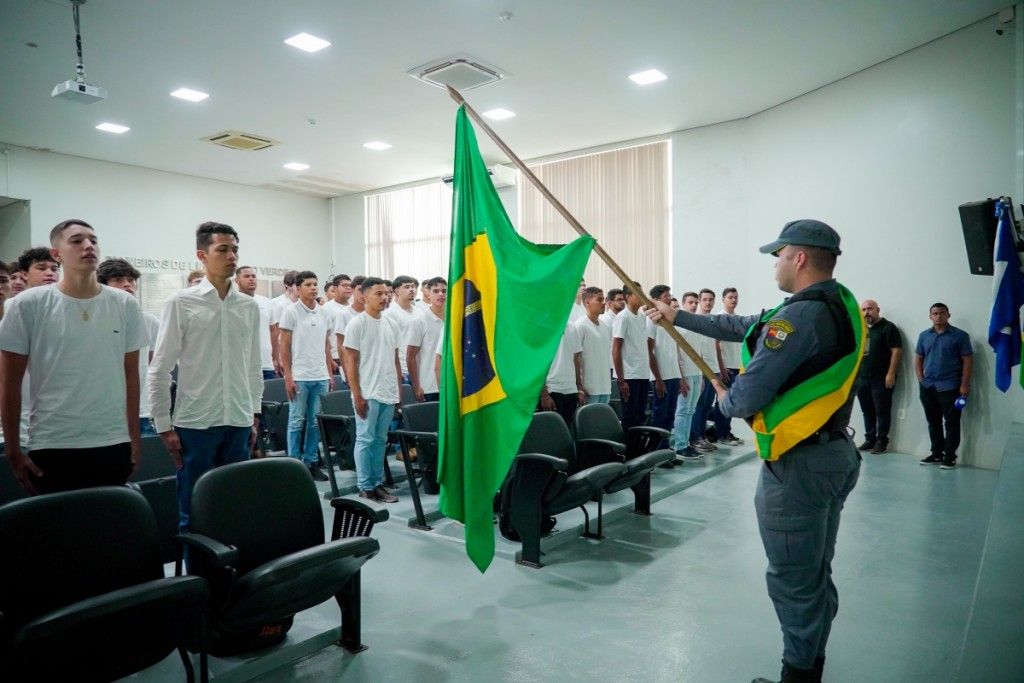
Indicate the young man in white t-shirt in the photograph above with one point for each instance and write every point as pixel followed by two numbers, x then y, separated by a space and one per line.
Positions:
pixel 563 387
pixel 80 341
pixel 711 356
pixel 357 304
pixel 663 356
pixel 630 359
pixel 280 302
pixel 119 274
pixel 615 301
pixel 729 353
pixel 335 308
pixel 690 385
pixel 422 339
pixel 403 312
pixel 370 354
pixel 306 357
pixel 246 281
pixel 596 348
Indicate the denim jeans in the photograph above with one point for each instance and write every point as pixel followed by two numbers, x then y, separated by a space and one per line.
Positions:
pixel 685 408
pixel 302 411
pixel 201 451
pixel 699 424
pixel 371 438
pixel 269 374
pixel 598 398
pixel 663 409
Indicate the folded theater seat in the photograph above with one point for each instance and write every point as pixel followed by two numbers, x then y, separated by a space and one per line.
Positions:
pixel 257 535
pixel 83 595
pixel 545 481
pixel 600 438
pixel 420 432
pixel 274 411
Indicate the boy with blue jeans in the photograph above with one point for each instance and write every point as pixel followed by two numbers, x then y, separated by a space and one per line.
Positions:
pixel 306 329
pixel 370 355
pixel 689 389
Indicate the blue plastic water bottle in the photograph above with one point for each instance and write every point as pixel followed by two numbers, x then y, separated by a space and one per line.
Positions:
pixel 960 402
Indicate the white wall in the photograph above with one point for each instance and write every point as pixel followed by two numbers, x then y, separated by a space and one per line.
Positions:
pixel 348 241
pixel 15 230
pixel 145 213
pixel 885 156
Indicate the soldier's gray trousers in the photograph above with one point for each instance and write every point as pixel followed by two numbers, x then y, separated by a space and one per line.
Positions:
pixel 798 501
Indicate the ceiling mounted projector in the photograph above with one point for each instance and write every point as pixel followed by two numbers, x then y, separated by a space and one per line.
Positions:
pixel 77 90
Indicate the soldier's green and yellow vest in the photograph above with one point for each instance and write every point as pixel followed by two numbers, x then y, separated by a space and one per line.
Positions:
pixel 804 408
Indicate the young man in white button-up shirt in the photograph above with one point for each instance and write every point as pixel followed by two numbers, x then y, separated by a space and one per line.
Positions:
pixel 212 333
pixel 306 356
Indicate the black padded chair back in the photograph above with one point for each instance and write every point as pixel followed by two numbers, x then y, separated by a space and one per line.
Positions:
pixel 406 396
pixel 422 417
pixel 274 391
pixel 10 489
pixel 337 403
pixel 599 421
pixel 49 544
pixel 154 460
pixel 231 504
pixel 549 435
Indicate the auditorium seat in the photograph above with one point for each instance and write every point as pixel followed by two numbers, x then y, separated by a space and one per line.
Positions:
pixel 600 438
pixel 82 590
pixel 274 390
pixel 156 479
pixel 544 481
pixel 420 432
pixel 337 422
pixel 257 534
pixel 274 411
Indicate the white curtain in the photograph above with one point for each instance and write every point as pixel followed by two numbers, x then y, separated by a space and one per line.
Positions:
pixel 622 197
pixel 408 230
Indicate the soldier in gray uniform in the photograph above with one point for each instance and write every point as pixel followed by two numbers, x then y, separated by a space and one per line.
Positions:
pixel 801 494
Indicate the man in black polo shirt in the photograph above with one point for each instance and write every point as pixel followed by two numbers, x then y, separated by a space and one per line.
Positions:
pixel 878 377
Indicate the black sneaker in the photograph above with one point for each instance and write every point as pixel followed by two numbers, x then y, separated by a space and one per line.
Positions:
pixel 317 473
pixel 932 459
pixel 948 464
pixel 880 447
pixel 383 496
pixel 866 446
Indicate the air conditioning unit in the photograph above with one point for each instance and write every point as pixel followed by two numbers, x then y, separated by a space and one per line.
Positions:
pixel 501 176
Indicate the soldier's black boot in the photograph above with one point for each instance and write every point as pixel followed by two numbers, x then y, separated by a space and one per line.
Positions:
pixel 791 674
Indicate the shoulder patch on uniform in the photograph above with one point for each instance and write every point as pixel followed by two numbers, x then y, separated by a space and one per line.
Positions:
pixel 777 332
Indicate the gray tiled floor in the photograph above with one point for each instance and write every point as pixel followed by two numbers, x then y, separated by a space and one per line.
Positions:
pixel 679 596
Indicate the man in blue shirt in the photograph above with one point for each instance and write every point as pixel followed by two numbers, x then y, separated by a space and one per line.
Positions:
pixel 943 361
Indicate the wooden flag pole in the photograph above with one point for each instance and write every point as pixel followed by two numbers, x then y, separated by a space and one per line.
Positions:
pixel 626 280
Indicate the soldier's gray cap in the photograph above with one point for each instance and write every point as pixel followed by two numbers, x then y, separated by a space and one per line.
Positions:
pixel 806 233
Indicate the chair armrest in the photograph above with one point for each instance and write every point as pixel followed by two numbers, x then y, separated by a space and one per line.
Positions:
pixel 217 553
pixel 415 435
pixel 647 429
pixel 334 416
pixel 560 464
pixel 375 513
pixel 614 446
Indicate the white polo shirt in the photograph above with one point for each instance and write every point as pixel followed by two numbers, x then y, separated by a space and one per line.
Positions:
pixel 425 332
pixel 561 377
pixel 266 314
pixel 666 352
pixel 403 319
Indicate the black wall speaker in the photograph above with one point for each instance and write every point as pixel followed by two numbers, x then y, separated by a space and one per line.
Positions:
pixel 979 223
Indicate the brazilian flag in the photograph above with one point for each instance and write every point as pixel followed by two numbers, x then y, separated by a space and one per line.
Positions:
pixel 508 303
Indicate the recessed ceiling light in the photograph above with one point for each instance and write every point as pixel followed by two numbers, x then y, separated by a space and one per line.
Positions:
pixel 499 114
pixel 648 77
pixel 378 146
pixel 189 94
pixel 296 166
pixel 113 128
pixel 306 42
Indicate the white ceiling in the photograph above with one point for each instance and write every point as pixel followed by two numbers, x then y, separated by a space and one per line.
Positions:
pixel 568 62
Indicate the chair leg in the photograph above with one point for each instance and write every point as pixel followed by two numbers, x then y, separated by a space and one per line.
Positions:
pixel 350 601
pixel 414 489
pixel 325 444
pixel 642 496
pixel 387 470
pixel 587 533
pixel 530 538
pixel 186 661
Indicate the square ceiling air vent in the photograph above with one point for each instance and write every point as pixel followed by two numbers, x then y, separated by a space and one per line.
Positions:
pixel 461 72
pixel 246 142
